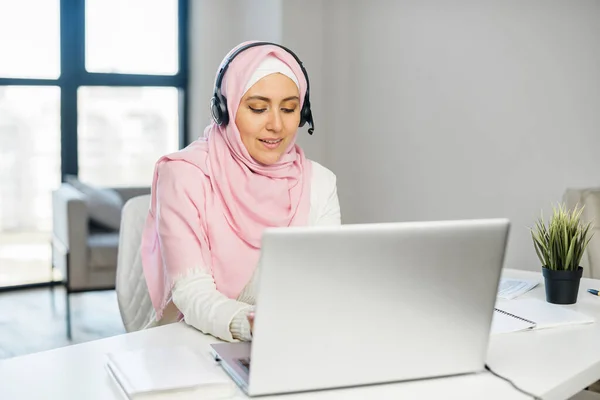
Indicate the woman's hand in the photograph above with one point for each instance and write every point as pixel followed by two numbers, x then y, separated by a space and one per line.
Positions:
pixel 250 317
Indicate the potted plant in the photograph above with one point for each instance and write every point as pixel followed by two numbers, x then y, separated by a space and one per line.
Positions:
pixel 560 247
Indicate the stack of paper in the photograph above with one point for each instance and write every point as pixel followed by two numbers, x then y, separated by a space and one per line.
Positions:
pixel 511 288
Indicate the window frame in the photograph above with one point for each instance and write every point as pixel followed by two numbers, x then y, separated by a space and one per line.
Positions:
pixel 73 75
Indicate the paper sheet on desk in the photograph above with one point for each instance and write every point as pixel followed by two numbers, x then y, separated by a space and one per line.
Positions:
pixel 524 314
pixel 511 288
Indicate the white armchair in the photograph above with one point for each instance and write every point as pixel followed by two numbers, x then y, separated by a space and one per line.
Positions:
pixel 590 199
pixel 132 292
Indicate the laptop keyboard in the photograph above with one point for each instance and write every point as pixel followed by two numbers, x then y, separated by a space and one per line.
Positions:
pixel 245 363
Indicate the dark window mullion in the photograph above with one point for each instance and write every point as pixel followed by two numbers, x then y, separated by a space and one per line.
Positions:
pixel 72 66
pixel 28 82
pixel 106 79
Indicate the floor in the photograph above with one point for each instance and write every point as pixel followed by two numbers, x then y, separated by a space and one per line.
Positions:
pixel 25 258
pixel 33 320
pixel 30 322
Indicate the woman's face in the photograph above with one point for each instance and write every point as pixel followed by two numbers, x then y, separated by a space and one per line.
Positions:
pixel 268 117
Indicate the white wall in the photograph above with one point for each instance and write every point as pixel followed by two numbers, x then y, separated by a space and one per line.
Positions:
pixel 215 28
pixel 302 32
pixel 433 109
pixel 462 109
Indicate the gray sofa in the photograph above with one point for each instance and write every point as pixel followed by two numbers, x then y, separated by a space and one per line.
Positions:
pixel 85 235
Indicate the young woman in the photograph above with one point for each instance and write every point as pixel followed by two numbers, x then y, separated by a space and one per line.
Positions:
pixel 212 200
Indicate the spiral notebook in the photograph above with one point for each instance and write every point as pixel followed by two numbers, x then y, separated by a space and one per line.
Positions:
pixel 526 314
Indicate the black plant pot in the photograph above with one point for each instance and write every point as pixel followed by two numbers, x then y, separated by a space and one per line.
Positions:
pixel 562 286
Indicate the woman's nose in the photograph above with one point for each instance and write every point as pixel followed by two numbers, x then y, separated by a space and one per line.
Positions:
pixel 275 122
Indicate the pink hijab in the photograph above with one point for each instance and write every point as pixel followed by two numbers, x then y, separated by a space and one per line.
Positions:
pixel 232 197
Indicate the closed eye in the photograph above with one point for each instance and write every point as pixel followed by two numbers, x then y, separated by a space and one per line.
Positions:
pixel 257 110
pixel 288 110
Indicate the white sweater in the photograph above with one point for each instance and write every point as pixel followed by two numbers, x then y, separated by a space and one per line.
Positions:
pixel 210 311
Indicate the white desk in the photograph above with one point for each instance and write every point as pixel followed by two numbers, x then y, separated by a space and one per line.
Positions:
pixel 552 363
pixel 77 372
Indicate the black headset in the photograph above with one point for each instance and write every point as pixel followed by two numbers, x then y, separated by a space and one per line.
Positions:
pixel 218 103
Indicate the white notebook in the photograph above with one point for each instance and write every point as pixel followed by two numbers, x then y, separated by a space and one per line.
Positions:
pixel 506 323
pixel 174 372
pixel 523 314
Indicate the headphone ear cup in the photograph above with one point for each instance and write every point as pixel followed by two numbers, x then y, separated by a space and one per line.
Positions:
pixel 305 113
pixel 224 112
pixel 215 110
pixel 218 109
pixel 223 108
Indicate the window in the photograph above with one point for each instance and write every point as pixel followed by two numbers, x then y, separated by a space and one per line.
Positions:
pixel 114 27
pixel 95 88
pixel 123 131
pixel 30 41
pixel 29 156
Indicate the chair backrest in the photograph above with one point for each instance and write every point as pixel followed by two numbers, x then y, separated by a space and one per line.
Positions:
pixel 132 292
pixel 590 199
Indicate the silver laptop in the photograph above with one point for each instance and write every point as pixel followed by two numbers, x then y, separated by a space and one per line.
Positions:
pixel 369 303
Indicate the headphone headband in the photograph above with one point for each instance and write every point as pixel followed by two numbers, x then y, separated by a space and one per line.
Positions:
pixel 218 102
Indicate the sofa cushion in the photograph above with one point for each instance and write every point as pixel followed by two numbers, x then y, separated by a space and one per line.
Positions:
pixel 104 205
pixel 102 249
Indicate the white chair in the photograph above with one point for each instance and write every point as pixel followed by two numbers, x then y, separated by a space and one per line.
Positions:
pixel 590 199
pixel 132 292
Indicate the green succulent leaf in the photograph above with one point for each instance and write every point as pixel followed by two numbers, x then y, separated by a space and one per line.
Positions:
pixel 561 243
